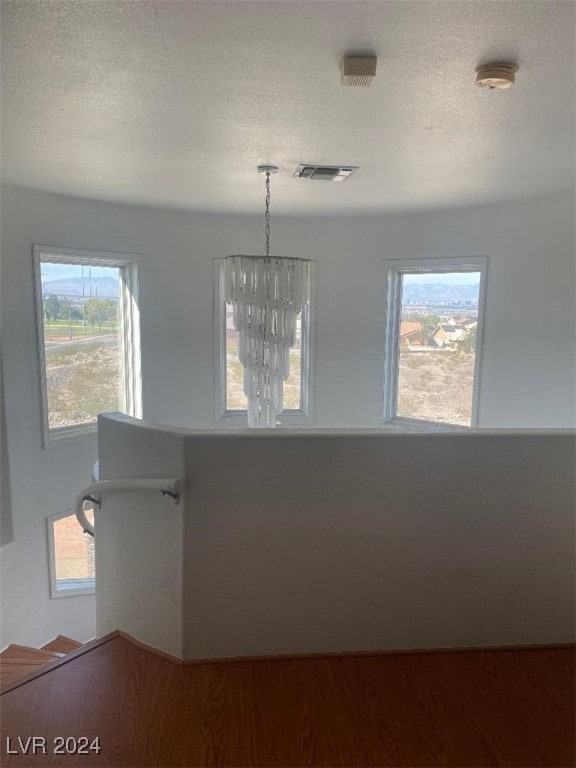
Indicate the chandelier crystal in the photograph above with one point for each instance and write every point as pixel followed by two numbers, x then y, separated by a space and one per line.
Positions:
pixel 267 293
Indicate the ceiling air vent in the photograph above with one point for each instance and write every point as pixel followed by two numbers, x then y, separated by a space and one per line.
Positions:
pixel 325 172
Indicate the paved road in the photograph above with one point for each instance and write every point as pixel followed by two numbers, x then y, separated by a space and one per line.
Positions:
pixel 108 340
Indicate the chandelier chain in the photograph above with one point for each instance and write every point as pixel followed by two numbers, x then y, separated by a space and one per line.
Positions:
pixel 267 293
pixel 267 216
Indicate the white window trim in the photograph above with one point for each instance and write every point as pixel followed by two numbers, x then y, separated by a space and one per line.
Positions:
pixel 129 321
pixel 54 591
pixel 289 418
pixel 393 269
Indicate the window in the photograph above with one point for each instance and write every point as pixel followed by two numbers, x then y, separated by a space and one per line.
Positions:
pixel 231 401
pixel 434 319
pixel 71 555
pixel 89 342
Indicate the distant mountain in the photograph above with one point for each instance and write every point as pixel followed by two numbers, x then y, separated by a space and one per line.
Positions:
pixel 102 287
pixel 423 293
pixel 435 293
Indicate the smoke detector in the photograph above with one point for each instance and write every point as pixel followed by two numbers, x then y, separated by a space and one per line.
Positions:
pixel 358 71
pixel 496 76
pixel 324 172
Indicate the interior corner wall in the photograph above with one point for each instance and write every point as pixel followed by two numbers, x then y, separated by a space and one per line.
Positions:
pixel 528 361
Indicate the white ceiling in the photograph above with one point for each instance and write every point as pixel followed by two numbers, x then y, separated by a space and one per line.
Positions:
pixel 175 103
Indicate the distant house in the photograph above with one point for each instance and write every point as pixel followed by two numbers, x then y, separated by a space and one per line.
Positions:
pixel 411 333
pixel 466 321
pixel 447 335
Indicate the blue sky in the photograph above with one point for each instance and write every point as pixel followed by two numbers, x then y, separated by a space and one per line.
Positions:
pixel 64 271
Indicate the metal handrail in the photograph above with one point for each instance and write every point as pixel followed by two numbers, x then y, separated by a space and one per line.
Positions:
pixel 92 493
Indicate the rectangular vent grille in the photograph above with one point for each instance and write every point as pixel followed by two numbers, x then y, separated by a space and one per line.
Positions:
pixel 358 71
pixel 324 172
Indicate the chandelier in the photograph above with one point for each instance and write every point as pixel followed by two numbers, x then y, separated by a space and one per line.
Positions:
pixel 267 293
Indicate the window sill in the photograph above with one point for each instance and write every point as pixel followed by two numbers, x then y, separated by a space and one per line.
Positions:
pixel 74 587
pixel 62 435
pixel 403 424
pixel 238 420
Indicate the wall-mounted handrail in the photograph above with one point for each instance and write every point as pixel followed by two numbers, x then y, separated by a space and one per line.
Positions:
pixel 92 493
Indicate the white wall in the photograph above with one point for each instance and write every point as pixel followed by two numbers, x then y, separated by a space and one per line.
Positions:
pixel 140 539
pixel 338 540
pixel 363 542
pixel 6 527
pixel 528 361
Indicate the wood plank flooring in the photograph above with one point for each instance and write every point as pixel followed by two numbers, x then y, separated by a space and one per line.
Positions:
pixel 496 708
pixel 62 644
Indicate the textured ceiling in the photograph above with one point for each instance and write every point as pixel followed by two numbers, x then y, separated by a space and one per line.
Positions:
pixel 175 103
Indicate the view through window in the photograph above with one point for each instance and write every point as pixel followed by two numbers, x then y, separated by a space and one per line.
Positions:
pixel 80 308
pixel 73 554
pixel 437 346
pixel 235 397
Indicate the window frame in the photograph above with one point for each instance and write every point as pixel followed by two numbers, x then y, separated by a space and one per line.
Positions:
pixel 54 591
pixel 236 418
pixel 129 323
pixel 393 271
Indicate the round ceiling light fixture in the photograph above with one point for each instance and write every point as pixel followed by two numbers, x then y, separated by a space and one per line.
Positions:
pixel 496 76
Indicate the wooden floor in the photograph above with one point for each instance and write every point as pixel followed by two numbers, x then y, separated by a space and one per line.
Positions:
pixel 504 708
